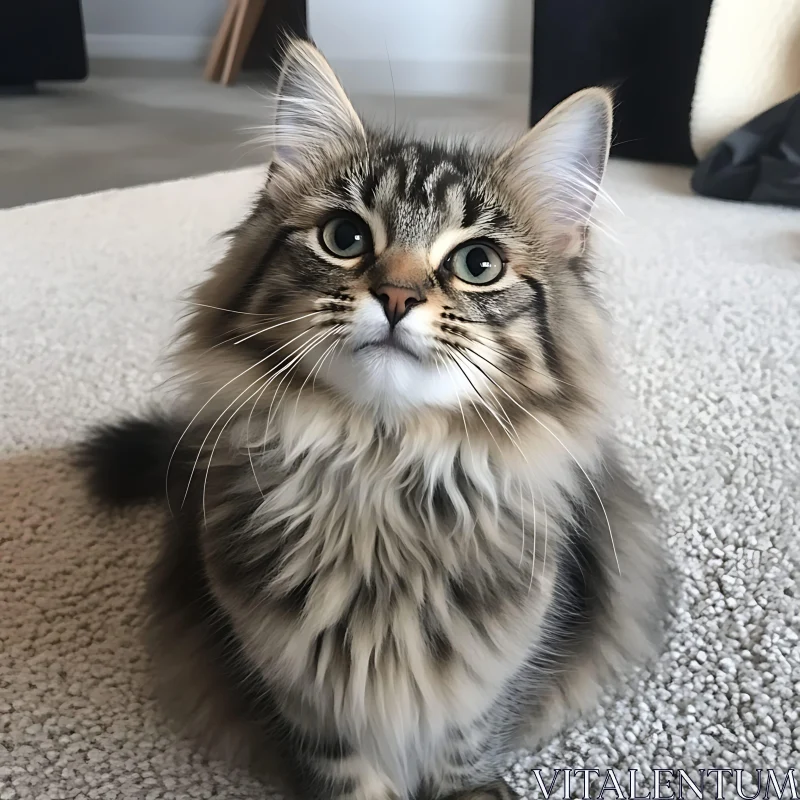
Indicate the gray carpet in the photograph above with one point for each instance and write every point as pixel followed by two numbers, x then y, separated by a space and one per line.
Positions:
pixel 706 298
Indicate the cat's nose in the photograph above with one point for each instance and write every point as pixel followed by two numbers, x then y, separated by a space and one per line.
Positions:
pixel 397 301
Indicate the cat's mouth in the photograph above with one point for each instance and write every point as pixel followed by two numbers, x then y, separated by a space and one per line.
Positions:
pixel 390 344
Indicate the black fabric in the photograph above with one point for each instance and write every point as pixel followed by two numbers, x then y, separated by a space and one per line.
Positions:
pixel 648 51
pixel 279 19
pixel 41 40
pixel 759 162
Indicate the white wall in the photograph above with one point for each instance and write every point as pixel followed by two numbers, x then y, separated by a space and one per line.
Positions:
pixel 436 47
pixel 169 29
pixel 467 47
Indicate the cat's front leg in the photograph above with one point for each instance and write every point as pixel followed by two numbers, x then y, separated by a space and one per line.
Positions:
pixel 343 777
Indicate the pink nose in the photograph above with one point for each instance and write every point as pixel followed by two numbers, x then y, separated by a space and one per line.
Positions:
pixel 397 301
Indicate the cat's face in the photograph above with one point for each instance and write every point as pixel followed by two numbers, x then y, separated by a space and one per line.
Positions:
pixel 401 275
pixel 412 273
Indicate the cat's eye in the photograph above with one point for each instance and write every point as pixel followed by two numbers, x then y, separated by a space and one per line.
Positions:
pixel 345 236
pixel 475 262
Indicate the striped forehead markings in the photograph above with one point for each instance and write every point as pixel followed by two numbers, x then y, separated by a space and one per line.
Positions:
pixel 423 184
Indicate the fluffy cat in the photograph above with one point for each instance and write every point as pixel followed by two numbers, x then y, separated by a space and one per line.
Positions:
pixel 401 543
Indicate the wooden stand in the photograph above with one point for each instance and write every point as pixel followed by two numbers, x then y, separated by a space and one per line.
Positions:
pixel 232 40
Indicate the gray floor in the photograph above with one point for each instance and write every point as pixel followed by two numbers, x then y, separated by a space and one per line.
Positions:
pixel 138 122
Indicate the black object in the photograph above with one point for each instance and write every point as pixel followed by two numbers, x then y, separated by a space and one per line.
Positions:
pixel 647 50
pixel 759 162
pixel 280 18
pixel 40 40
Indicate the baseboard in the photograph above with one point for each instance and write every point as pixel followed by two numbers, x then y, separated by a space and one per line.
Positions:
pixel 483 76
pixel 169 48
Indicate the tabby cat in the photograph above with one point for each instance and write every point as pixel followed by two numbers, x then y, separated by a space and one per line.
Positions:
pixel 400 543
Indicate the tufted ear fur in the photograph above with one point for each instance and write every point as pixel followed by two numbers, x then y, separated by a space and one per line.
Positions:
pixel 313 112
pixel 557 167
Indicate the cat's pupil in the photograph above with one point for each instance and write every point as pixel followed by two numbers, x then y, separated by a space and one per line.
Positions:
pixel 477 261
pixel 346 235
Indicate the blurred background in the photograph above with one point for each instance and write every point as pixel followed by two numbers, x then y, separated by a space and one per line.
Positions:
pixel 133 105
pixel 97 94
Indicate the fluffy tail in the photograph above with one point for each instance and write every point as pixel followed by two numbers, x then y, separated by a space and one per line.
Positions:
pixel 126 462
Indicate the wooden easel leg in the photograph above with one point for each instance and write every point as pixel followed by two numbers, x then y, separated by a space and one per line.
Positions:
pixel 247 17
pixel 216 57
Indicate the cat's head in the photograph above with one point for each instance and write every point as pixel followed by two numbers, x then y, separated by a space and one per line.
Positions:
pixel 400 276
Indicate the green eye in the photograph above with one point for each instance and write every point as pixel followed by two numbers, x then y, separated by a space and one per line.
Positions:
pixel 345 237
pixel 476 262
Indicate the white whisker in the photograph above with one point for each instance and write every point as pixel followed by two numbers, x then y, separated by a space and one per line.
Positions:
pixel 203 407
pixel 277 325
pixel 533 553
pixel 308 346
pixel 233 311
pixel 577 463
pixel 216 442
pixel 330 333
pixel 488 405
pixel 205 439
pixel 522 513
pixel 458 398
pixel 336 344
pixel 293 358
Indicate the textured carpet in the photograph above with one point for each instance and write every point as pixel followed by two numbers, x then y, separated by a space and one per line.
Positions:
pixel 706 298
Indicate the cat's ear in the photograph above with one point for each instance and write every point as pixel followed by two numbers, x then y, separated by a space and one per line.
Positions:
pixel 557 167
pixel 312 111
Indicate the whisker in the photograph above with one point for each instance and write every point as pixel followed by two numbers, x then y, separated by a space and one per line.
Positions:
pixel 544 557
pixel 283 394
pixel 547 339
pixel 186 430
pixel 247 437
pixel 318 337
pixel 492 409
pixel 533 552
pixel 239 333
pixel 515 443
pixel 522 514
pixel 216 442
pixel 472 402
pixel 292 357
pixel 577 463
pixel 202 408
pixel 277 325
pixel 394 92
pixel 474 337
pixel 302 386
pixel 499 405
pixel 336 344
pixel 458 398
pixel 232 311
pixel 225 341
pixel 470 337
pixel 315 370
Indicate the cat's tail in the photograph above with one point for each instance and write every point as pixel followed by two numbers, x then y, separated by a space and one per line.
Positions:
pixel 126 462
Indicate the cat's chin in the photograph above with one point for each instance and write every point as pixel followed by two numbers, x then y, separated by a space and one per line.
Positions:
pixel 388 376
